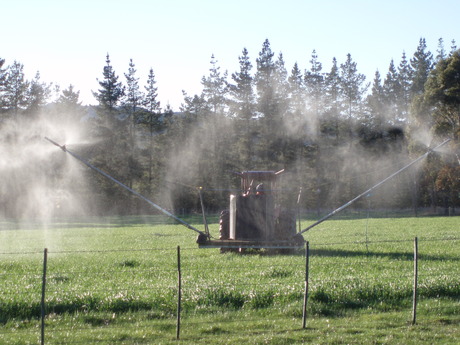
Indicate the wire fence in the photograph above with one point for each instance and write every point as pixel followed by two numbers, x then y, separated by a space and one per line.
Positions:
pixel 44 299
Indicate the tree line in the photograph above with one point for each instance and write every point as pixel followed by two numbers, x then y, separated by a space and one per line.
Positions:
pixel 333 132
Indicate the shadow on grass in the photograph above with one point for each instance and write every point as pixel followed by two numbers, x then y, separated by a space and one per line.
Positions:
pixel 342 253
pixel 408 256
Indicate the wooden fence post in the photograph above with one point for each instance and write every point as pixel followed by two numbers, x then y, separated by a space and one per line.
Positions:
pixel 179 292
pixel 414 299
pixel 42 304
pixel 305 296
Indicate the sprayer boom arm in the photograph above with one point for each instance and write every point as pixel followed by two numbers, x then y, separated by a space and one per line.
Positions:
pixel 63 148
pixel 372 188
pixel 169 214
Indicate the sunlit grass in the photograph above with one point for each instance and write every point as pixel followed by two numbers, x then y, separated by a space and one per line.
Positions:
pixel 116 279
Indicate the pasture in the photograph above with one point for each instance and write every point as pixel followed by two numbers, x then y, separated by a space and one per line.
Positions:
pixel 114 281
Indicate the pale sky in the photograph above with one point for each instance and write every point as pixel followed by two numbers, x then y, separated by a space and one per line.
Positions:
pixel 67 40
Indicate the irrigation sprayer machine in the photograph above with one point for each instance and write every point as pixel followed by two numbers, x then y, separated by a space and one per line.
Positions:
pixel 255 218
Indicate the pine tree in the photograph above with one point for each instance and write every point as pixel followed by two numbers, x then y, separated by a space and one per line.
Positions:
pixel 194 107
pixel 303 128
pixel 15 89
pixel 376 103
pixel 270 86
pixel 405 83
pixel 330 124
pixel 132 96
pixel 422 64
pixel 112 151
pixel 453 48
pixel 151 117
pixel 242 98
pixel 242 108
pixel 297 102
pixel 152 120
pixel 264 79
pixel 331 134
pixel 281 88
pixel 353 88
pixel 295 82
pixel 215 88
pixel 131 100
pixel 441 52
pixel 111 91
pixel 150 99
pixel 215 93
pixel 69 97
pixel 37 94
pixel 315 90
pixel 392 90
pixel 3 76
pixel 69 109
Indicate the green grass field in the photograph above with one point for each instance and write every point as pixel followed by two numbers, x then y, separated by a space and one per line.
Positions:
pixel 114 280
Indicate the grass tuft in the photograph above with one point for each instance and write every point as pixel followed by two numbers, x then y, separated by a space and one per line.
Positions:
pixel 130 263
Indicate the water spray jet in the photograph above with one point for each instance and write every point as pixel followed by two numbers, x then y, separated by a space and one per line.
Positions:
pixel 151 203
pixel 430 150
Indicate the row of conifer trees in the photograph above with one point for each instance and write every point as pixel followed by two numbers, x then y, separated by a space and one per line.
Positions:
pixel 334 133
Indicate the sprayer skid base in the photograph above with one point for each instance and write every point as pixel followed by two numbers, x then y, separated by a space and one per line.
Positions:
pixel 251 244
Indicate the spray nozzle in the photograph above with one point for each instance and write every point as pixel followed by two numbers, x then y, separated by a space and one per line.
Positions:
pixel 433 149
